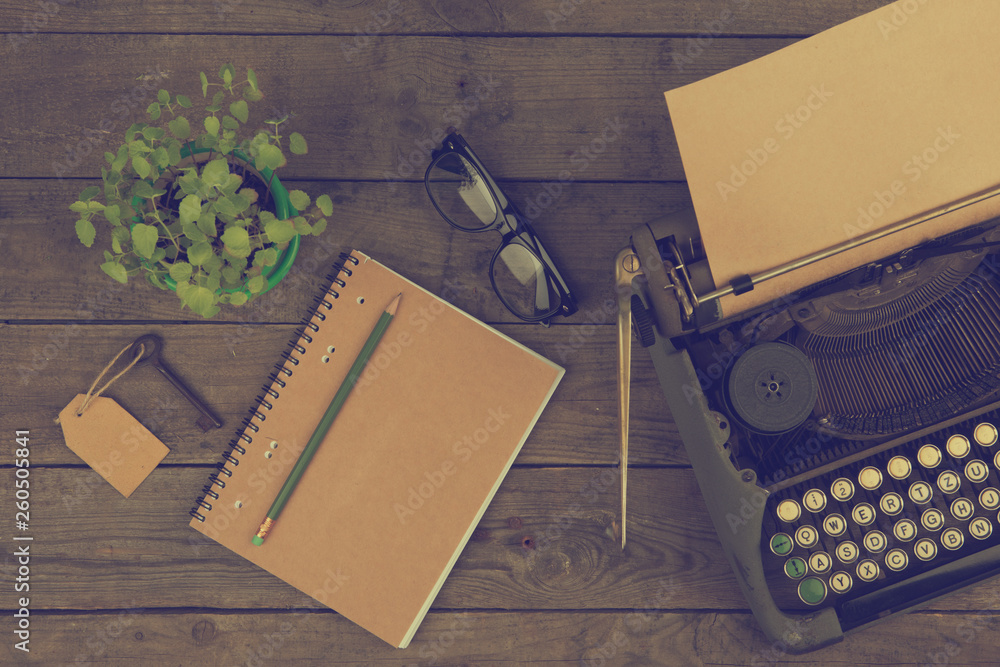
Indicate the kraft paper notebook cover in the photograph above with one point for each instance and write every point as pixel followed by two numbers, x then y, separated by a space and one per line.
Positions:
pixel 408 467
pixel 874 121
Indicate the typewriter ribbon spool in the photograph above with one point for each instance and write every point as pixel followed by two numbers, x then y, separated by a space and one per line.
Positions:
pixel 771 388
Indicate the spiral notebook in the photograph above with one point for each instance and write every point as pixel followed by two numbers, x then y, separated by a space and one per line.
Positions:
pixel 410 464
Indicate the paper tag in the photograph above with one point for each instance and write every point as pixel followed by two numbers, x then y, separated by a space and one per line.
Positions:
pixel 112 442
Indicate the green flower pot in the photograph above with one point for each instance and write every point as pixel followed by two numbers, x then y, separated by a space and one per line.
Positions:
pixel 283 210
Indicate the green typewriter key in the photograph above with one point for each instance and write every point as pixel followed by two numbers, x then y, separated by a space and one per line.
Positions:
pixel 781 544
pixel 812 590
pixel 795 568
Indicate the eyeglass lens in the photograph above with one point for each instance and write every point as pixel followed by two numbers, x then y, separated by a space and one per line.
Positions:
pixel 521 280
pixel 461 193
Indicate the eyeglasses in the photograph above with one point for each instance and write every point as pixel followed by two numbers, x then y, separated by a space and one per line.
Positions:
pixel 521 271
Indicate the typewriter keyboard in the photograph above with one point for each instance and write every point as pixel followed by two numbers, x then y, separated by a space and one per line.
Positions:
pixel 885 518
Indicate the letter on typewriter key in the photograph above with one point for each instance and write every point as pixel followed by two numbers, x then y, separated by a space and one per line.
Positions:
pixel 958 446
pixel 980 528
pixel 891 503
pixel 932 519
pixel 841 582
pixel 977 471
pixel 896 560
pixel 925 549
pixel 989 498
pixel 952 539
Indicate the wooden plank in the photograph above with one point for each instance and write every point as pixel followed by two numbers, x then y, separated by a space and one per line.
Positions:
pixel 400 17
pixel 47 365
pixel 640 635
pixel 47 274
pixel 549 540
pixel 534 108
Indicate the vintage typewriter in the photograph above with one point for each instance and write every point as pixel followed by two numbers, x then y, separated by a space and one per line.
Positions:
pixel 845 438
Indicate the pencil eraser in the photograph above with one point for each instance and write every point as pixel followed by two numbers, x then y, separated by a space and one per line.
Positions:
pixel 258 540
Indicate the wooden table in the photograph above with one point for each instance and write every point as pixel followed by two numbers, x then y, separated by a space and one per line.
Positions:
pixel 563 101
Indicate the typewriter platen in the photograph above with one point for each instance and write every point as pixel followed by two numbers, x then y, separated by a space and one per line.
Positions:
pixel 845 437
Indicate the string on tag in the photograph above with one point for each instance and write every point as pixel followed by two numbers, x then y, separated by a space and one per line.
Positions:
pixel 90 392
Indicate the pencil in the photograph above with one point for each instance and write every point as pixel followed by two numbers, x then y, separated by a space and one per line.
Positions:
pixel 324 424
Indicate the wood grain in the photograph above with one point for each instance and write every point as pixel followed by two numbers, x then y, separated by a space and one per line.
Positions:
pixel 401 17
pixel 533 107
pixel 636 636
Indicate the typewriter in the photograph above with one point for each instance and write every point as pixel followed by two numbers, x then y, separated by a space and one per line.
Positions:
pixel 845 438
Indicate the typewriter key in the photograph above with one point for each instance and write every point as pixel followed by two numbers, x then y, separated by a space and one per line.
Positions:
pixel 904 530
pixel 977 471
pixel 875 542
pixel 789 511
pixel 863 514
pixel 925 549
pixel 899 467
pixel 986 435
pixel 958 446
pixel 820 562
pixel 952 539
pixel 949 481
pixel 834 525
pixel 812 590
pixel 989 498
pixel 896 560
pixel 891 503
pixel 867 570
pixel 870 478
pixel 929 456
pixel 841 582
pixel 980 528
pixel 932 519
pixel 962 509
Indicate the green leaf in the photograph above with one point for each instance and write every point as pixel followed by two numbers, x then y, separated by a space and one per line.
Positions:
pixel 279 231
pixel 79 207
pixel 141 166
pixel 256 284
pixel 270 157
pixel 324 204
pixel 319 226
pixel 230 123
pixel 154 111
pixel 238 298
pixel 206 223
pixel 200 253
pixel 122 235
pixel 252 78
pixel 153 132
pixel 144 239
pixel 89 193
pixel 163 97
pixel 184 101
pixel 216 172
pixel 266 257
pixel 297 144
pixel 240 109
pixel 212 125
pixel 85 231
pixel 160 158
pixel 191 231
pixel 113 214
pixel 116 271
pixel 299 199
pixel 180 271
pixel 120 159
pixel 180 128
pixel 252 95
pixel 174 153
pixel 142 189
pixel 302 226
pixel 226 73
pixel 200 300
pixel 190 208
pixel 204 84
pixel 116 245
pixel 236 238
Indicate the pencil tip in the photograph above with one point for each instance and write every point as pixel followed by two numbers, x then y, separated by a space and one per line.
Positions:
pixel 391 308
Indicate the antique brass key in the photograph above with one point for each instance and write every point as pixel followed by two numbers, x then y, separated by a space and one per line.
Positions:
pixel 150 346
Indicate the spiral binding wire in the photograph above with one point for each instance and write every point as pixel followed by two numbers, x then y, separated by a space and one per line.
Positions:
pixel 230 459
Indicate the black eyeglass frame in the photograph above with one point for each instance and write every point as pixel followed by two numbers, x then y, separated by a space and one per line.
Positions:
pixel 511 224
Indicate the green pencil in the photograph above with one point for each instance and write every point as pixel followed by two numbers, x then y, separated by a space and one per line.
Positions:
pixel 324 424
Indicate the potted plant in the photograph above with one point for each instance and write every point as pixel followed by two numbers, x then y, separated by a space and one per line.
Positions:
pixel 192 201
